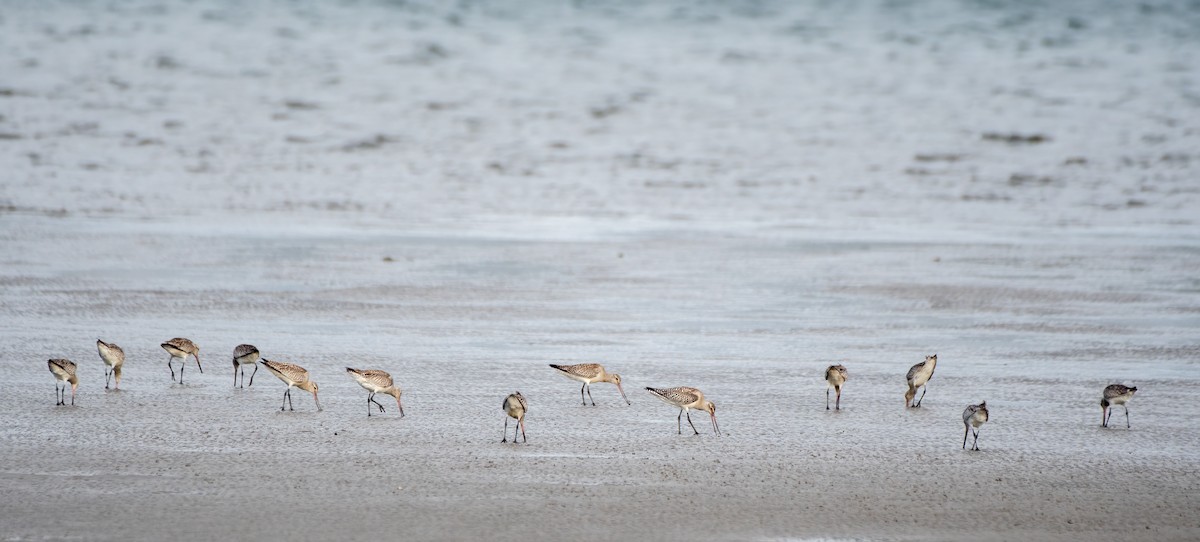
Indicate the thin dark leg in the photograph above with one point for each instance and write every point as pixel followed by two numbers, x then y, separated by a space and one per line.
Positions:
pixel 966 429
pixel 106 375
pixel 689 417
pixel 839 398
pixel 975 443
pixel 589 390
pixel 505 436
pixel 924 389
pixel 368 404
pixel 582 401
pixel 283 406
pixel 169 360
pixel 57 399
pixel 289 396
pixel 679 421
pixel 251 375
pixel 826 398
pixel 181 367
pixel 376 403
pixel 1126 417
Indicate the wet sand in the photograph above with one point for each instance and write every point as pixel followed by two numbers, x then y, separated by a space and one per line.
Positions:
pixel 461 198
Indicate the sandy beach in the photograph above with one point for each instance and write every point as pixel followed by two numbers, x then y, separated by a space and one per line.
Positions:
pixel 730 197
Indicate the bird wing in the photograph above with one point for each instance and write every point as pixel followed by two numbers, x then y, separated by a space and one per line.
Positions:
pixel 682 395
pixel 181 344
pixel 62 366
pixel 287 371
pixel 913 370
pixel 582 370
pixel 110 350
pixel 1115 390
pixel 244 350
pixel 378 378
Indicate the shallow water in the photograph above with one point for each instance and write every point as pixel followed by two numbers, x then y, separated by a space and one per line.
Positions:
pixel 701 196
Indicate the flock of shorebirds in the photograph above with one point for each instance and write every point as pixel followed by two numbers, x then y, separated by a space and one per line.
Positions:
pixel 515 406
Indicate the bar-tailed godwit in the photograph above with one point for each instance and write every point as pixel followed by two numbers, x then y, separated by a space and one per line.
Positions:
pixel 685 399
pixel 294 376
pixel 64 371
pixel 835 376
pixel 515 407
pixel 1115 394
pixel 377 382
pixel 243 355
pixel 918 376
pixel 973 417
pixel 181 348
pixel 113 358
pixel 590 373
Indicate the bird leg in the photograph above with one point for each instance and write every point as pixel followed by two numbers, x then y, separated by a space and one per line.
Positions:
pixel 826 398
pixel 975 443
pixel 181 367
pixel 372 399
pixel 966 429
pixel 289 396
pixel 924 389
pixel 582 401
pixel 283 406
pixel 504 438
pixel 679 421
pixel 169 360
pixel 1126 416
pixel 57 400
pixel 589 390
pixel 106 375
pixel 689 417
pixel 368 404
pixel 235 372
pixel 839 398
pixel 251 375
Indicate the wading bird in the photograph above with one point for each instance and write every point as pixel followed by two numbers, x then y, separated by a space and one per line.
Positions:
pixel 918 376
pixel 835 376
pixel 64 371
pixel 1115 394
pixel 181 348
pixel 113 358
pixel 243 355
pixel 515 407
pixel 294 376
pixel 973 417
pixel 590 373
pixel 377 382
pixel 685 399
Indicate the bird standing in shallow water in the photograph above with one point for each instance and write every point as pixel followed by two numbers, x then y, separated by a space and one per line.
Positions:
pixel 685 399
pixel 974 416
pixel 590 373
pixel 918 376
pixel 181 348
pixel 294 376
pixel 245 354
pixel 64 371
pixel 835 376
pixel 377 382
pixel 113 358
pixel 515 407
pixel 1115 394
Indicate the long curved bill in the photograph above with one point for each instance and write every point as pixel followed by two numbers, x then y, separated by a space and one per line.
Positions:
pixel 716 429
pixel 315 400
pixel 623 395
pixel 197 356
pixel 400 406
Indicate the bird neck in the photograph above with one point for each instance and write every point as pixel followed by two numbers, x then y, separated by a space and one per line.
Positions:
pixel 306 386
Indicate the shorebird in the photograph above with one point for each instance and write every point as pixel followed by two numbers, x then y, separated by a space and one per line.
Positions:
pixel 244 354
pixel 974 416
pixel 1115 394
pixel 918 376
pixel 590 373
pixel 113 358
pixel 181 348
pixel 685 399
pixel 515 407
pixel 64 371
pixel 377 382
pixel 294 376
pixel 835 375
